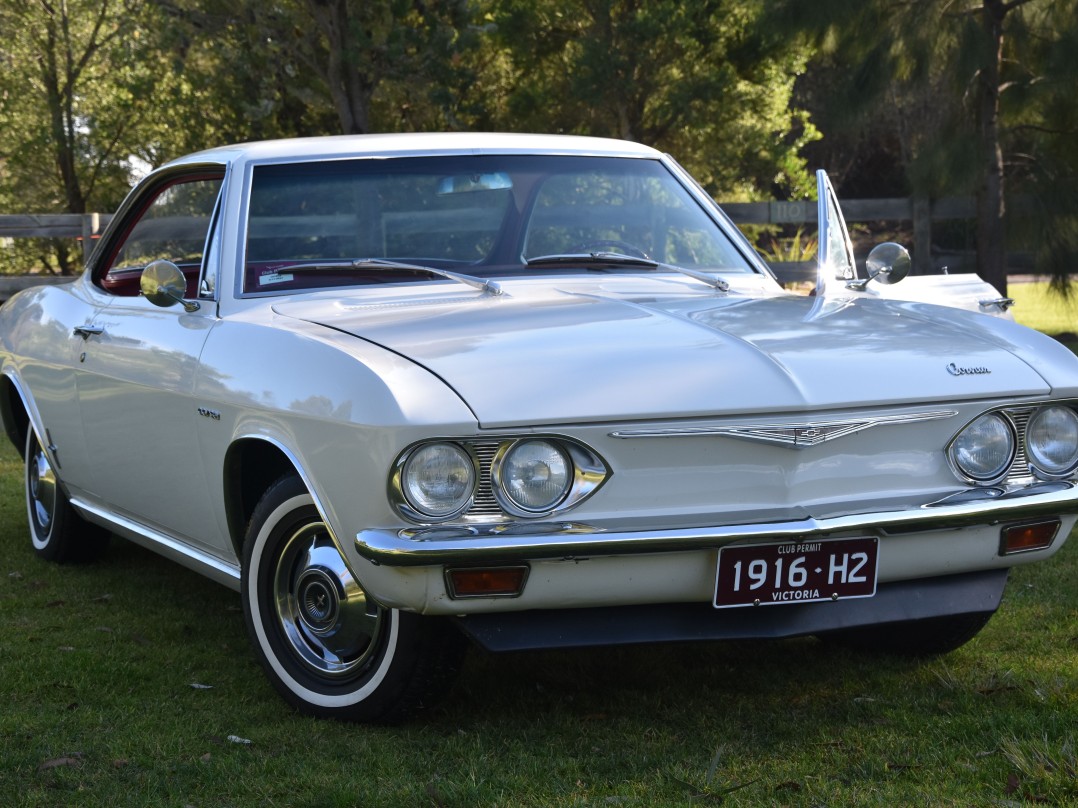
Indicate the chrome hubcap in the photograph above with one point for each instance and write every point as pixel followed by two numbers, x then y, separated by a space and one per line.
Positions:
pixel 326 615
pixel 41 482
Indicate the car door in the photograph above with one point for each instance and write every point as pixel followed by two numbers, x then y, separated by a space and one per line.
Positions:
pixel 46 378
pixel 139 364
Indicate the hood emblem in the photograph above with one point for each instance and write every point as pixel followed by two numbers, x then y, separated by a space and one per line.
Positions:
pixel 794 436
pixel 955 370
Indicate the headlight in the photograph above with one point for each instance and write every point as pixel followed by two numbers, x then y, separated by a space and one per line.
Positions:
pixel 534 476
pixel 438 480
pixel 1052 440
pixel 985 449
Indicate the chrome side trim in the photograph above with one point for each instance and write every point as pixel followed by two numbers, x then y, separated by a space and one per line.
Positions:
pixel 402 549
pixel 794 435
pixel 197 560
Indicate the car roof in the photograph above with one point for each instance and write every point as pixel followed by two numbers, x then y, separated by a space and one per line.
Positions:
pixel 418 144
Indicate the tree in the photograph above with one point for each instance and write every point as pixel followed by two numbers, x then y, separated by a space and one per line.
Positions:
pixel 941 71
pixel 1040 132
pixel 687 78
pixel 76 96
pixel 371 66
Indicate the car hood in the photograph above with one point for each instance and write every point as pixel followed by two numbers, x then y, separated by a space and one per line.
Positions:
pixel 556 353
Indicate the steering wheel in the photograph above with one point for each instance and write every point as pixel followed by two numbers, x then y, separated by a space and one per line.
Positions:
pixel 610 245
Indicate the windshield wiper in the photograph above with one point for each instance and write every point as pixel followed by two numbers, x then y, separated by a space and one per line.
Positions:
pixel 482 284
pixel 620 259
pixel 604 258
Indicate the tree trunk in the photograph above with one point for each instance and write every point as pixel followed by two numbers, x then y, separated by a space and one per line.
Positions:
pixel 350 89
pixel 62 121
pixel 991 235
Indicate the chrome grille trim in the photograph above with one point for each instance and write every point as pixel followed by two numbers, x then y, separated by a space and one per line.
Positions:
pixel 1019 472
pixel 484 504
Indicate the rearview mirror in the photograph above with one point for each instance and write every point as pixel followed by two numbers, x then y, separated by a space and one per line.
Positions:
pixel 163 284
pixel 470 183
pixel 887 263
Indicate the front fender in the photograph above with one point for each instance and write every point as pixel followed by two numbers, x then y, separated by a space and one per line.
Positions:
pixel 337 408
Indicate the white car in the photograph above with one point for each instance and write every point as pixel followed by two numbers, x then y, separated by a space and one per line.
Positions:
pixel 535 391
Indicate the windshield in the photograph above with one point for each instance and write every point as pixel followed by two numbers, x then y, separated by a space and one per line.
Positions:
pixel 314 225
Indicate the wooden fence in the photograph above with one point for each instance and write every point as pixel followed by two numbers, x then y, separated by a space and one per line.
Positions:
pixel 921 212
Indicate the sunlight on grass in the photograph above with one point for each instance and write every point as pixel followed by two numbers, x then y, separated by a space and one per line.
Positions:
pixel 1037 306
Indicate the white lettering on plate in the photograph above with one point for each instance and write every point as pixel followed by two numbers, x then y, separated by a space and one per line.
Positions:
pixel 798 594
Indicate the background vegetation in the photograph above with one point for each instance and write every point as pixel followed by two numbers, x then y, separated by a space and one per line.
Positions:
pixel 934 98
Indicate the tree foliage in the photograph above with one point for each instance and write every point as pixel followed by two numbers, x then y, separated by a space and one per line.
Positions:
pixel 688 78
pixel 964 90
pixel 955 96
pixel 84 107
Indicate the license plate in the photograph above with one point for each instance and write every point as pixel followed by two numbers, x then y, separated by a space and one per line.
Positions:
pixel 792 572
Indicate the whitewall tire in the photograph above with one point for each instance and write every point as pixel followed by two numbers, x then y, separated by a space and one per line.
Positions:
pixel 328 648
pixel 57 532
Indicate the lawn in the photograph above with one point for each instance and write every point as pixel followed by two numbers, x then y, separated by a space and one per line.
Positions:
pixel 1039 307
pixel 130 682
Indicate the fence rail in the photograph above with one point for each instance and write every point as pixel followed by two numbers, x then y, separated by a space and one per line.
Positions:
pixel 921 212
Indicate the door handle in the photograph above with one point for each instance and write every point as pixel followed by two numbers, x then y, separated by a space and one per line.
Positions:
pixel 87 331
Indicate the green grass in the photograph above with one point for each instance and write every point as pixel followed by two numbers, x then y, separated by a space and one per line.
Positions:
pixel 97 665
pixel 1039 307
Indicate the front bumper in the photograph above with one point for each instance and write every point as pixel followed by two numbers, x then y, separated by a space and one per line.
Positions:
pixel 566 540
pixel 946 596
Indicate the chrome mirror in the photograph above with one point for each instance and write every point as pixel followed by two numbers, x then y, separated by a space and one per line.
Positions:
pixel 470 183
pixel 887 263
pixel 163 284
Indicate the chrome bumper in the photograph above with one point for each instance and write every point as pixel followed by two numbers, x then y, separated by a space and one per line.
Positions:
pixel 521 541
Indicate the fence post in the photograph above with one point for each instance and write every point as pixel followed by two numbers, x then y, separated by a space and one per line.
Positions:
pixel 91 222
pixel 922 236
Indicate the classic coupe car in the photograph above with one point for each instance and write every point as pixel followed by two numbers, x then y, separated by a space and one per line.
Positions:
pixel 534 391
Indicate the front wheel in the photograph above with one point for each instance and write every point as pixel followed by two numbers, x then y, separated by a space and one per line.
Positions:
pixel 328 648
pixel 57 532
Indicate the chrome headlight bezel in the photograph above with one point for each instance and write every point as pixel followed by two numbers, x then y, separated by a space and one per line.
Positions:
pixel 506 490
pixel 406 498
pixel 490 502
pixel 984 475
pixel 1038 463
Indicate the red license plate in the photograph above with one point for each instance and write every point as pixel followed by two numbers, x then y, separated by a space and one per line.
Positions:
pixel 796 572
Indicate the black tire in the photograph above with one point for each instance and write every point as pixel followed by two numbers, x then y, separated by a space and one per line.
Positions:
pixel 915 638
pixel 327 648
pixel 57 532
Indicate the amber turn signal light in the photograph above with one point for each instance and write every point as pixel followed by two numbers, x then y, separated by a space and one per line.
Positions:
pixel 1023 538
pixel 485 582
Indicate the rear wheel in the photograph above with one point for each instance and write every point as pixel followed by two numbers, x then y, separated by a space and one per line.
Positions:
pixel 328 648
pixel 930 637
pixel 57 532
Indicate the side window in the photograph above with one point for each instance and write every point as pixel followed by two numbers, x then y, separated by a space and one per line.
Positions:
pixel 837 247
pixel 173 226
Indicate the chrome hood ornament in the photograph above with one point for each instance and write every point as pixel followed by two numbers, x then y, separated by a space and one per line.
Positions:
pixel 795 436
